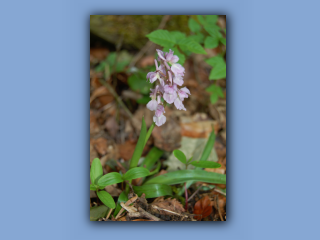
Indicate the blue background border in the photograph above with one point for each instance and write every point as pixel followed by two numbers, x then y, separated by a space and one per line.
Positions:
pixel 273 120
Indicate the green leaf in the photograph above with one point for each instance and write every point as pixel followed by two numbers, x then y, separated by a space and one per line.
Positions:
pixel 211 19
pixel 211 42
pixel 96 170
pixel 201 19
pixel 136 172
pixel 98 212
pixel 215 90
pixel 93 187
pixel 219 67
pixel 153 190
pixel 107 199
pixel 206 164
pixel 213 31
pixel 109 179
pixel 175 50
pixel 190 160
pixel 193 25
pixel 182 176
pixel 218 72
pixel 144 100
pixel 162 38
pixel 214 98
pixel 215 60
pixel 123 197
pixel 140 145
pixel 223 41
pixel 209 146
pixel 197 37
pixel 177 35
pixel 138 82
pixel 152 157
pixel 180 155
pixel 192 46
pixel 156 170
pixel 205 155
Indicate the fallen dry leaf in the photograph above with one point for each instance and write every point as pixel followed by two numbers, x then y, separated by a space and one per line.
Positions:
pixel 101 145
pixel 112 126
pixel 126 150
pixel 141 220
pixel 168 136
pixel 203 207
pixel 171 204
pixel 201 129
pixel 94 125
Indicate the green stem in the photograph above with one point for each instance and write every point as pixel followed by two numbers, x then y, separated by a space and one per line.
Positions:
pixel 149 132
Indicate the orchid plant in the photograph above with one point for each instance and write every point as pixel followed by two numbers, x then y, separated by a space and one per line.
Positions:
pixel 168 79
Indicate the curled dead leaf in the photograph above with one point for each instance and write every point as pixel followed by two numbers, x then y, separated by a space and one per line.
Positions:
pixel 202 207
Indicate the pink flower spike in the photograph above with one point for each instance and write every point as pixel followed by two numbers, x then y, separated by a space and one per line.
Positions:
pixel 179 105
pixel 159 120
pixel 177 69
pixel 160 54
pixel 152 105
pixel 158 99
pixel 160 110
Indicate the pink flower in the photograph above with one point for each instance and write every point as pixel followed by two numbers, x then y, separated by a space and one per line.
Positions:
pixel 160 54
pixel 179 105
pixel 152 105
pixel 183 93
pixel 171 58
pixel 170 93
pixel 159 111
pixel 159 120
pixel 153 76
pixel 177 69
pixel 177 79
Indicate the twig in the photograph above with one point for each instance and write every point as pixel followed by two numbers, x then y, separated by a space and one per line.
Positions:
pixel 111 209
pixel 149 43
pixel 118 99
pixel 148 215
pixel 192 196
pixel 131 200
pixel 186 195
pixel 221 218
pixel 166 210
pixel 118 47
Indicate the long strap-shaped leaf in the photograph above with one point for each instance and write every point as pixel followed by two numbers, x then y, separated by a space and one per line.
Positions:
pixel 153 190
pixel 140 145
pixel 204 157
pixel 182 176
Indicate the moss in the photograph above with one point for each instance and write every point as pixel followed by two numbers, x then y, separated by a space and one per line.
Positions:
pixel 133 27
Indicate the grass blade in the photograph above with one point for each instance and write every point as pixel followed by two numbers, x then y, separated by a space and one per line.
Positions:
pixel 140 145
